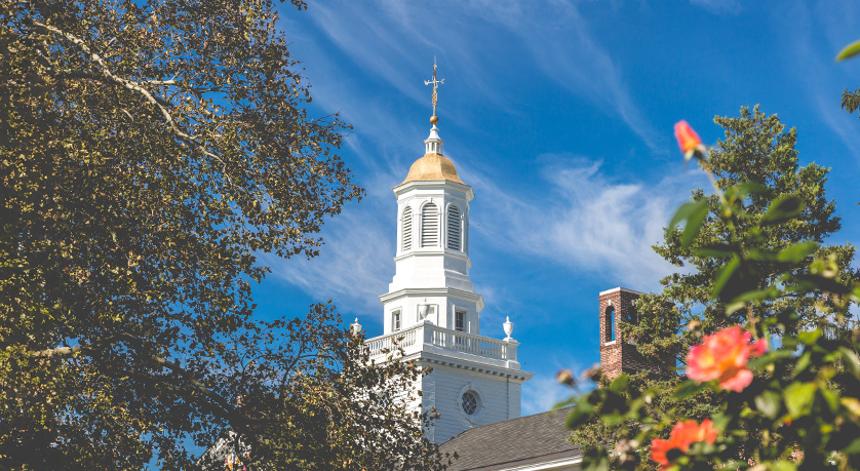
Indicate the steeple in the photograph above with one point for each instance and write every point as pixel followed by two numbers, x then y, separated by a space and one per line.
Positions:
pixel 431 308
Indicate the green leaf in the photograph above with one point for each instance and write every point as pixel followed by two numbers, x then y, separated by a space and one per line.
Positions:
pixel 725 274
pixel 809 337
pixel 849 51
pixel 810 282
pixel 761 255
pixel 580 414
pixel 693 213
pixel 734 307
pixel 781 465
pixel 742 190
pixel 682 213
pixel 768 403
pixel 751 296
pixel 802 364
pixel 853 448
pixel 619 384
pixel 831 398
pixel 770 357
pixel 799 398
pixel 758 295
pixel 782 209
pixel 611 419
pixel 694 224
pixel 721 420
pixel 798 252
pixel 852 361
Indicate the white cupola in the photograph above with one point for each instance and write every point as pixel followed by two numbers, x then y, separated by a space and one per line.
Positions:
pixel 432 250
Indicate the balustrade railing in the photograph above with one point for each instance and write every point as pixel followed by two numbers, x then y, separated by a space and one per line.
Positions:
pixel 415 337
pixel 402 339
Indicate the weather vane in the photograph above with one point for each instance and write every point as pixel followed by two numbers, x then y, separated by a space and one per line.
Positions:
pixel 434 119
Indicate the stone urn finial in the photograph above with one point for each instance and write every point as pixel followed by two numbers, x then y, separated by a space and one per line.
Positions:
pixel 508 327
pixel 355 327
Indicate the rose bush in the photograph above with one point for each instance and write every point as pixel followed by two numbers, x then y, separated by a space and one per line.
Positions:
pixel 795 405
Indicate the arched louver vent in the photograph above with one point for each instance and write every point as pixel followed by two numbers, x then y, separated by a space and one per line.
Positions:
pixel 429 226
pixel 454 228
pixel 406 229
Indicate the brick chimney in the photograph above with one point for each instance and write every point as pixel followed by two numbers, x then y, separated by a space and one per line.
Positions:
pixel 616 305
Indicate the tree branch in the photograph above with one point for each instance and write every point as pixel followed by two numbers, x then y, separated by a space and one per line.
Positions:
pixel 105 70
pixel 135 87
pixel 55 352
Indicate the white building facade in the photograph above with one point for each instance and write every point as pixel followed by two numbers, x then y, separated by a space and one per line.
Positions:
pixel 431 309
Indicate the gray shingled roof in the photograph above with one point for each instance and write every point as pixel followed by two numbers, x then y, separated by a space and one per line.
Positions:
pixel 516 442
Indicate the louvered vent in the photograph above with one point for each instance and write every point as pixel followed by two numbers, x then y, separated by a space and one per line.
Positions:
pixel 406 228
pixel 429 226
pixel 454 232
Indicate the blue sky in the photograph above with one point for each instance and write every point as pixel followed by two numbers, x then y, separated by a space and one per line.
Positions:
pixel 560 116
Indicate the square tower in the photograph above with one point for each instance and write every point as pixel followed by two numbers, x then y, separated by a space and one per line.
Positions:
pixel 616 355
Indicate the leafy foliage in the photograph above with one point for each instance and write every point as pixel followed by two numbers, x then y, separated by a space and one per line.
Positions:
pixel 768 216
pixel 758 260
pixel 851 100
pixel 150 151
pixel 315 401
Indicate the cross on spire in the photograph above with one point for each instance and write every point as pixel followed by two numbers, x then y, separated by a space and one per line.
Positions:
pixel 435 96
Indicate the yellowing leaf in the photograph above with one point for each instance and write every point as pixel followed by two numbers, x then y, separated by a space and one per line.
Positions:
pixel 849 51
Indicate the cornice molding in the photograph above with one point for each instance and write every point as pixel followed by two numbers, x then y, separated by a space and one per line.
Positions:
pixel 467 295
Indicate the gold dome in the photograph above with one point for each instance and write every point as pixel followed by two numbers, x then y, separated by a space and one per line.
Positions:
pixel 433 167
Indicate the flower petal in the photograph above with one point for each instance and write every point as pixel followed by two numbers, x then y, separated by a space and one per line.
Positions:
pixel 758 348
pixel 738 382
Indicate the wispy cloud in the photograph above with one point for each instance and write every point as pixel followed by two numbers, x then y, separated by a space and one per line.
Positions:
pixel 585 220
pixel 393 41
pixel 354 266
pixel 840 123
pixel 814 30
pixel 367 37
pixel 564 48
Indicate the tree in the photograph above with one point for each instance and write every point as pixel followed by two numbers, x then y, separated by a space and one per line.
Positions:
pixel 150 151
pixel 759 152
pixel 744 244
pixel 332 407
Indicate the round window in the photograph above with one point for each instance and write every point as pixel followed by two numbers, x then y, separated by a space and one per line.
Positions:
pixel 470 402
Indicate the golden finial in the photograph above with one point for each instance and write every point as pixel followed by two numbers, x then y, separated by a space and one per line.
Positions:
pixel 435 96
